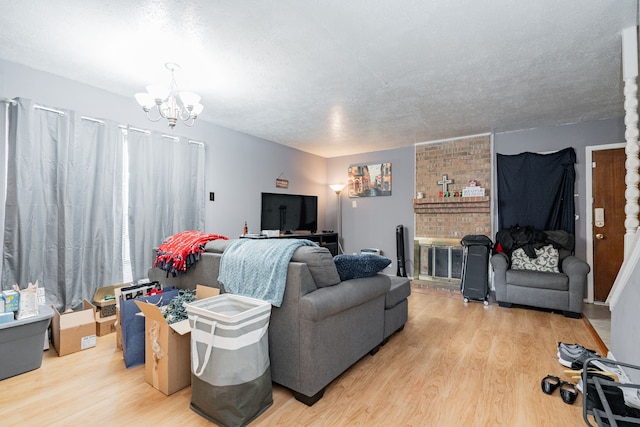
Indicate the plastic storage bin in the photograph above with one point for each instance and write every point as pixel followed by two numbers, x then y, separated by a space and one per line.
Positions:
pixel 22 343
pixel 230 367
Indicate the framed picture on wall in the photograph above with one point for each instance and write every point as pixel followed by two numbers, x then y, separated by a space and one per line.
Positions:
pixel 370 180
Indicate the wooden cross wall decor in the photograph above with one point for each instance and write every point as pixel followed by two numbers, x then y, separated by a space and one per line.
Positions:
pixel 445 183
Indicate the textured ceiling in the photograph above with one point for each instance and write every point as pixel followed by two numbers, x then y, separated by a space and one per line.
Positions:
pixel 342 77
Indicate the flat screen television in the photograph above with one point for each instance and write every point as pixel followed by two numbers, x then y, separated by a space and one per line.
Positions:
pixel 289 213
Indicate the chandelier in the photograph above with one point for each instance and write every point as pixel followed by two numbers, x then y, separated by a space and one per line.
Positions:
pixel 170 103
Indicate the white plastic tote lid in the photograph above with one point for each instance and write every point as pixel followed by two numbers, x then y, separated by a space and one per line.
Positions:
pixel 228 307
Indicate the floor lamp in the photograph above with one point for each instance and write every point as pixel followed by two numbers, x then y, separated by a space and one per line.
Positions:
pixel 338 189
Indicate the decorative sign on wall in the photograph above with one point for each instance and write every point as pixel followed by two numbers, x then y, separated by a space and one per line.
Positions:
pixel 473 189
pixel 282 181
pixel 370 180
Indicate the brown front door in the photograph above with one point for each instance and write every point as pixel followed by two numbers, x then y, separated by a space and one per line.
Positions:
pixel 608 219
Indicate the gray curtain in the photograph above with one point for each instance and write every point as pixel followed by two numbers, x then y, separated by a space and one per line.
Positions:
pixel 4 137
pixel 166 192
pixel 63 212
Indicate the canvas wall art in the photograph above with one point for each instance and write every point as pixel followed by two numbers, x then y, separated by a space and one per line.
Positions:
pixel 370 180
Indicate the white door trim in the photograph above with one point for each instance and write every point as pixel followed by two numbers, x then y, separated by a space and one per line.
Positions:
pixel 589 209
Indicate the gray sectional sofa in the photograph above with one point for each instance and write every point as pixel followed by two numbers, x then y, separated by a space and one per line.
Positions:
pixel 324 325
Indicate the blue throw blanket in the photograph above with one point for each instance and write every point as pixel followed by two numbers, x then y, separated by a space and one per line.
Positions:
pixel 258 268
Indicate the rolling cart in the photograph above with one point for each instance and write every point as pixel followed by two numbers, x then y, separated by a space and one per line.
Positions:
pixel 605 401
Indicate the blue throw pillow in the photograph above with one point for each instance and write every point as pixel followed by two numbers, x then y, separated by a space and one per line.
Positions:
pixel 357 266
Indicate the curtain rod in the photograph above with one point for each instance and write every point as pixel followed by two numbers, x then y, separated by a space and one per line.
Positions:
pixel 148 132
pixel 91 119
pixel 52 110
pixel 177 138
pixel 8 101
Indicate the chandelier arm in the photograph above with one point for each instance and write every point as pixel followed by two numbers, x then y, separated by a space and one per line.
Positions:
pixel 152 119
pixel 189 123
pixel 183 113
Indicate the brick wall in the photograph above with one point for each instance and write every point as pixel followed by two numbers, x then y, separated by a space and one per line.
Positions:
pixel 461 160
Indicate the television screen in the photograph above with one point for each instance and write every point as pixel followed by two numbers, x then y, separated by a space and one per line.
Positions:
pixel 289 212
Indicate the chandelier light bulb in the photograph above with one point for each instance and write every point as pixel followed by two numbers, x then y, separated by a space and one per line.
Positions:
pixel 157 93
pixel 145 100
pixel 197 109
pixel 189 98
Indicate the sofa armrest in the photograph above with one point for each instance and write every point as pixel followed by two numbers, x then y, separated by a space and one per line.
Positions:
pixel 575 267
pixel 577 270
pixel 500 264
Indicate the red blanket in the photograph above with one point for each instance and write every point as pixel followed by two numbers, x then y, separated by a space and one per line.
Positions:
pixel 182 250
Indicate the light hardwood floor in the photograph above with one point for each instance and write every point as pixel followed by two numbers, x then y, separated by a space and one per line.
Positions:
pixel 454 364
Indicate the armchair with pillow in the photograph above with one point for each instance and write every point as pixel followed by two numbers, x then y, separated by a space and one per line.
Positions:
pixel 537 268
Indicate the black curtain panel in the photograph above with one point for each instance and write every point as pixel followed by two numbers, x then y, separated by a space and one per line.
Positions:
pixel 537 190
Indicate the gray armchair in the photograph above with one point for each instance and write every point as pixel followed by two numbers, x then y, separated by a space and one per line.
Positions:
pixel 563 291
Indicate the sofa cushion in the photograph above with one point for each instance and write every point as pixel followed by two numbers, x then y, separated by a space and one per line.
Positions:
pixel 331 300
pixel 400 290
pixel 320 263
pixel 547 260
pixel 357 266
pixel 538 279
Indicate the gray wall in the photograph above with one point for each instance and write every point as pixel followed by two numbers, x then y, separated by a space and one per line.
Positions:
pixel 372 224
pixel 239 166
pixel 579 136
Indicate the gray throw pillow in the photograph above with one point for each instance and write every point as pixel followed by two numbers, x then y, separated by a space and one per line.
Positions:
pixel 320 263
pixel 357 266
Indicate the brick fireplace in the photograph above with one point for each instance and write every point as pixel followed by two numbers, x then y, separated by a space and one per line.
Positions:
pixel 441 222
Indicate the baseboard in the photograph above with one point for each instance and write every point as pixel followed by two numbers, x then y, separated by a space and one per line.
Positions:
pixel 603 349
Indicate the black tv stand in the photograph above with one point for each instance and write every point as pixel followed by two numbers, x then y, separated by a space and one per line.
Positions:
pixel 325 240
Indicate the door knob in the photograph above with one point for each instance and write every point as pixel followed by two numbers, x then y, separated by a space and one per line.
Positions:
pixel 599 236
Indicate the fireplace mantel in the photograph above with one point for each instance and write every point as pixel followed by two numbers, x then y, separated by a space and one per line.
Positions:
pixel 452 205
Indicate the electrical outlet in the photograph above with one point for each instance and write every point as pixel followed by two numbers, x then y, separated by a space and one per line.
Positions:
pixel 354 204
pixel 212 196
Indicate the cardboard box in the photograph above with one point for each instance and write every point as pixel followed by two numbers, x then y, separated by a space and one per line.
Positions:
pixel 105 299
pixel 118 330
pixel 169 368
pixel 11 300
pixel 105 325
pixel 75 330
pixel 118 324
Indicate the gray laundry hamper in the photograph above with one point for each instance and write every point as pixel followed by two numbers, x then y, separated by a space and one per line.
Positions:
pixel 230 368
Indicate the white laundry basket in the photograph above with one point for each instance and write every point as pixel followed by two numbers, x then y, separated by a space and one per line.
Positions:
pixel 231 376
